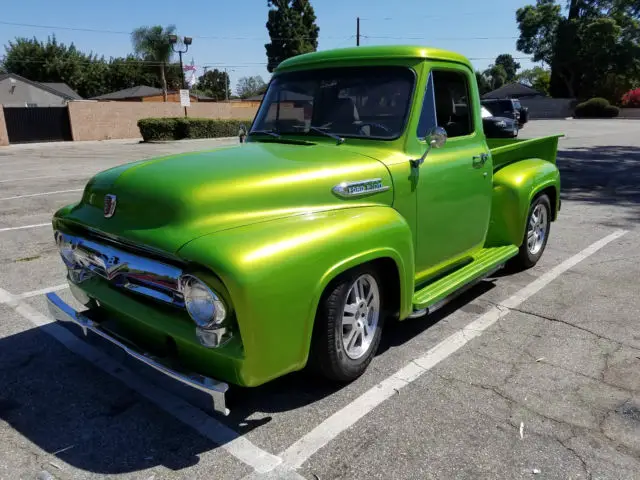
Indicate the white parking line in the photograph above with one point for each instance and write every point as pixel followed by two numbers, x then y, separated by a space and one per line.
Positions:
pixel 294 456
pixel 6 229
pixel 43 291
pixel 238 446
pixel 41 194
pixel 39 177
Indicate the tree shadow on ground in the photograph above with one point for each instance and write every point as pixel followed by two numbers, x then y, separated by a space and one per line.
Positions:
pixel 607 175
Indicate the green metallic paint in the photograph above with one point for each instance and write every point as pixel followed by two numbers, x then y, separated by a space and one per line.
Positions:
pixel 164 203
pixel 260 224
pixel 276 271
pixel 481 263
pixel 514 187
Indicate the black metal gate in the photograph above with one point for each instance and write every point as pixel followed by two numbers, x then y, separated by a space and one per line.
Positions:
pixel 37 124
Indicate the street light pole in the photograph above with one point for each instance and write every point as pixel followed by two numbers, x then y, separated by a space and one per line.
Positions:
pixel 186 41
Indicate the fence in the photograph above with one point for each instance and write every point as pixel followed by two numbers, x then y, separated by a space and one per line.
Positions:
pixel 549 107
pixel 4 136
pixel 110 120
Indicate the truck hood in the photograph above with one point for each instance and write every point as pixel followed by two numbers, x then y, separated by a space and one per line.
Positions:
pixel 165 202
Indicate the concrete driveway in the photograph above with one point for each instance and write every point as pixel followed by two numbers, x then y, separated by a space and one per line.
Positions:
pixel 528 375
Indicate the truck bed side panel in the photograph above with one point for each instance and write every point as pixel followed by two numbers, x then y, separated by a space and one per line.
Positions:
pixel 514 186
pixel 507 151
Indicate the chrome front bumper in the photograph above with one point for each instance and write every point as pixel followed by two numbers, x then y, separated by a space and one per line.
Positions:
pixel 216 389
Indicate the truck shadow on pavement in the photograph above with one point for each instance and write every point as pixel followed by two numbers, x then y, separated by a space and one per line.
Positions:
pixel 64 409
pixel 60 403
pixel 604 175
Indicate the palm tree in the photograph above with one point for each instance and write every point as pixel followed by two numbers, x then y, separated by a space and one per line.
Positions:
pixel 152 44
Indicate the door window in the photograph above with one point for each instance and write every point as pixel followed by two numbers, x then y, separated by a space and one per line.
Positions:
pixel 453 109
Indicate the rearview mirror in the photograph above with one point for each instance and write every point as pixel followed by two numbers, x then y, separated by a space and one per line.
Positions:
pixel 242 132
pixel 436 138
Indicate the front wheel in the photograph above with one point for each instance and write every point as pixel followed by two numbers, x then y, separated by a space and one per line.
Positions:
pixel 536 234
pixel 348 325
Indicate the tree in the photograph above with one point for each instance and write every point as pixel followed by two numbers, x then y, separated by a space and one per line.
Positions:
pixel 496 76
pixel 250 86
pixel 54 62
pixel 537 78
pixel 483 84
pixel 152 45
pixel 292 29
pixel 215 84
pixel 509 64
pixel 593 51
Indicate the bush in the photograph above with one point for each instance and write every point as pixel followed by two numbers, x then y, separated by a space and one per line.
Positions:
pixel 631 99
pixel 596 108
pixel 178 128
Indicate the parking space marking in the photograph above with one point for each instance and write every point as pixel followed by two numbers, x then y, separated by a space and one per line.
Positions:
pixel 40 177
pixel 42 194
pixel 238 446
pixel 294 456
pixel 43 291
pixel 6 229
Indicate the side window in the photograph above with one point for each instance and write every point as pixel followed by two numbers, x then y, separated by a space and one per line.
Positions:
pixel 452 106
pixel 428 114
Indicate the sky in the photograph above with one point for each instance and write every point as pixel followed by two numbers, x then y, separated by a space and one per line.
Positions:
pixel 232 35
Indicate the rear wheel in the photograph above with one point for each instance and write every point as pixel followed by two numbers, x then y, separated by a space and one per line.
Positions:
pixel 348 325
pixel 537 232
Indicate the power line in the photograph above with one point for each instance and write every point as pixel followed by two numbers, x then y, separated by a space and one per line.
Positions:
pixel 422 37
pixel 119 32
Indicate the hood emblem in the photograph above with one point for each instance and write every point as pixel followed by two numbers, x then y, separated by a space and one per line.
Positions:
pixel 359 188
pixel 109 205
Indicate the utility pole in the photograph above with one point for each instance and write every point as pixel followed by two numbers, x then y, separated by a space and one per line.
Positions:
pixel 357 31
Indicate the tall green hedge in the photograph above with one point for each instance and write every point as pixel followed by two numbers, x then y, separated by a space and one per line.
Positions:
pixel 178 128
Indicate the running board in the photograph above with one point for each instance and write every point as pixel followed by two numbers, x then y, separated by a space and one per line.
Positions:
pixel 438 293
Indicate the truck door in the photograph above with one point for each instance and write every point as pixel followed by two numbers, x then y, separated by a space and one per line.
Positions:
pixel 455 181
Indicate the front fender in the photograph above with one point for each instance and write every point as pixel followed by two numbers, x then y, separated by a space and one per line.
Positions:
pixel 275 273
pixel 514 187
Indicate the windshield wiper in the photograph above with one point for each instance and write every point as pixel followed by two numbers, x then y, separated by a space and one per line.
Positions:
pixel 337 138
pixel 266 132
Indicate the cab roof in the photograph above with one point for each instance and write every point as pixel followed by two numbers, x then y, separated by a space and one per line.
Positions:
pixel 364 54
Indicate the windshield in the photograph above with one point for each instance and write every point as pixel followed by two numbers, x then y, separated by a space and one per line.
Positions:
pixel 360 102
pixel 485 113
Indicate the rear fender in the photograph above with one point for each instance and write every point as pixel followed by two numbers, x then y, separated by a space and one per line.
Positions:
pixel 276 272
pixel 514 188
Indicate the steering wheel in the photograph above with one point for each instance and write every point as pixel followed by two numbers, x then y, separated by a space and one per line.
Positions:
pixel 374 124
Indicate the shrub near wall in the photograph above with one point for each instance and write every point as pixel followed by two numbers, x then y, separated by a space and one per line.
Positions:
pixel 596 108
pixel 178 128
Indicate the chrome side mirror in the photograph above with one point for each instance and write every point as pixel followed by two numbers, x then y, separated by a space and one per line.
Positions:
pixel 242 132
pixel 436 138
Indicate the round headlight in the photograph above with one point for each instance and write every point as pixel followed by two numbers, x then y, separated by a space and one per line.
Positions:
pixel 204 306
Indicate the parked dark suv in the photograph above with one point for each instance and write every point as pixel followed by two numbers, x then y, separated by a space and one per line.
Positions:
pixel 507 107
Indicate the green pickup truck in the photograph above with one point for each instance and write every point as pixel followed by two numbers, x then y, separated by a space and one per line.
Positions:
pixel 366 190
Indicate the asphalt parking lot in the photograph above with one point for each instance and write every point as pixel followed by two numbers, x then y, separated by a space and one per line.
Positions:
pixel 528 375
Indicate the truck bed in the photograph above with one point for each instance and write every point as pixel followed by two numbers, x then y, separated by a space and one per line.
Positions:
pixel 508 150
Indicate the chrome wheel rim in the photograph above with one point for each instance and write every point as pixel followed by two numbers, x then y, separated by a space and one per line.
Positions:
pixel 360 316
pixel 537 229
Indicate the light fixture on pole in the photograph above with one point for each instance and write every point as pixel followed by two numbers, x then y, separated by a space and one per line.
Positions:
pixel 186 41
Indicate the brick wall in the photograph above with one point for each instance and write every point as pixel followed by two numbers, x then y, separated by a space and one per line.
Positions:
pixel 4 136
pixel 109 120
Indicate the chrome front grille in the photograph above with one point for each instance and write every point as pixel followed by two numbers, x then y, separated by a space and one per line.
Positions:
pixel 140 275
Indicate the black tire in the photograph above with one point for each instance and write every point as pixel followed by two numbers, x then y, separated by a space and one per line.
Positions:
pixel 525 258
pixel 328 355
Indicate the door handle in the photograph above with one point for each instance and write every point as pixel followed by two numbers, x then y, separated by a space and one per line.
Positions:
pixel 479 160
